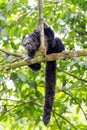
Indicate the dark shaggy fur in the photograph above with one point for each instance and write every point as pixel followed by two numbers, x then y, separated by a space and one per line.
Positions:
pixel 54 45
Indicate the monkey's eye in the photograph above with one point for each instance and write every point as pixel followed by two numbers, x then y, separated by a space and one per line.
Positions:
pixel 24 43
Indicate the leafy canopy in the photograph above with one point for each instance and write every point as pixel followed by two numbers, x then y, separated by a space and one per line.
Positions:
pixel 21 90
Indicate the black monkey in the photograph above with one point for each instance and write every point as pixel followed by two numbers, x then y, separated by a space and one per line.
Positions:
pixel 53 45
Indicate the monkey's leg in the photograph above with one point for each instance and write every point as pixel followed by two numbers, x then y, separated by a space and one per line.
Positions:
pixel 34 67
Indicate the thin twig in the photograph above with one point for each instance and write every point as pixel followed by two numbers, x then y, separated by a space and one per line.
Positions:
pixel 76 103
pixel 8 99
pixel 65 120
pixel 23 103
pixel 56 121
pixel 51 2
pixel 19 19
pixel 4 59
pixel 74 76
pixel 10 53
pixel 17 59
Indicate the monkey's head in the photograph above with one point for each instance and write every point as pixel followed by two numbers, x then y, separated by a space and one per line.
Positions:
pixel 31 42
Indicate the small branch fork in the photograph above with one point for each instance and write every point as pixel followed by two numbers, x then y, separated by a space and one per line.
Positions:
pixel 8 54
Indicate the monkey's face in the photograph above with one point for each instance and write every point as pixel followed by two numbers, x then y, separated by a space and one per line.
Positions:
pixel 31 42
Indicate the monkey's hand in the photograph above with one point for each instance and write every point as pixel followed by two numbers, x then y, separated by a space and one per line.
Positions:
pixel 65 52
pixel 27 59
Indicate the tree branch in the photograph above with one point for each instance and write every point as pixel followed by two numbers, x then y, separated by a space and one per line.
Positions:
pixel 74 76
pixel 41 58
pixel 74 99
pixel 65 119
pixel 20 19
pixel 42 48
pixel 51 2
pixel 10 53
pixel 19 103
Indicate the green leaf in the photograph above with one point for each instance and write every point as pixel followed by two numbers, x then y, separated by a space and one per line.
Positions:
pixel 77 109
pixel 21 76
pixel 14 46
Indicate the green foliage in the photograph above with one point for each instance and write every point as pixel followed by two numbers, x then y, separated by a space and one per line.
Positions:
pixel 21 90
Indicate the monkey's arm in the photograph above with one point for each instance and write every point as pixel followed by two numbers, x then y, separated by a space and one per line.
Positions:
pixel 32 44
pixel 59 46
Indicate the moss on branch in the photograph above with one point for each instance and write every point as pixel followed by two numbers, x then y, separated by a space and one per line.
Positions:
pixel 50 57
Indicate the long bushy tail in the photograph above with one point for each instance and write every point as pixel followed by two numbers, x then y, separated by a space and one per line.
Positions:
pixel 49 90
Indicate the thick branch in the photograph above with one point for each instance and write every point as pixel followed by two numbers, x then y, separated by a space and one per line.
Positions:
pixel 49 57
